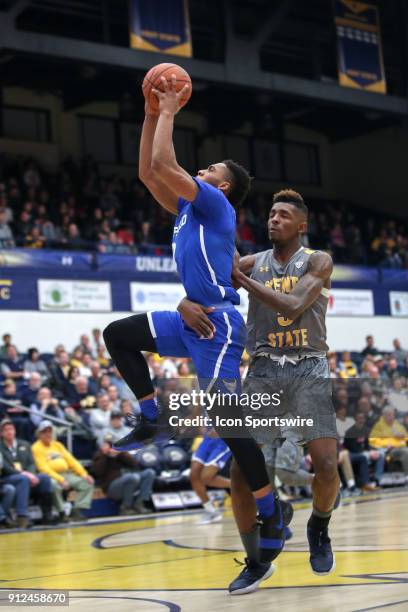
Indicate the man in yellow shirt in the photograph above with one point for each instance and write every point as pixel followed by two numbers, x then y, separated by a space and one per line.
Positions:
pixel 390 435
pixel 52 458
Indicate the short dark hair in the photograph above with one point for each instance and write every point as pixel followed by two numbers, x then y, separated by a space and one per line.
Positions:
pixel 291 197
pixel 240 182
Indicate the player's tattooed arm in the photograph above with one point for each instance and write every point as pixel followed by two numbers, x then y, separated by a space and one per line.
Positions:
pixel 306 291
pixel 159 190
pixel 164 162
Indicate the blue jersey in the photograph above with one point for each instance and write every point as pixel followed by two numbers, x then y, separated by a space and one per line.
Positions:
pixel 204 246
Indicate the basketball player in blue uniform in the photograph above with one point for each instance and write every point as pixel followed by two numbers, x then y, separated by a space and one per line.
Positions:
pixel 209 458
pixel 203 247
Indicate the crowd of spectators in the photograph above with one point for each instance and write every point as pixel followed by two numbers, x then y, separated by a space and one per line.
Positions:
pixel 77 208
pixel 41 395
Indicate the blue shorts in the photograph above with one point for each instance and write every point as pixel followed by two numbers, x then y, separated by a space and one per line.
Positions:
pixel 216 358
pixel 212 451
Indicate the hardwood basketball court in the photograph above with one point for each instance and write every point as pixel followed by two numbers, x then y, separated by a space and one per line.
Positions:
pixel 168 562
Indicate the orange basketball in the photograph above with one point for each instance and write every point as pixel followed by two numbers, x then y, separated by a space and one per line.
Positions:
pixel 153 80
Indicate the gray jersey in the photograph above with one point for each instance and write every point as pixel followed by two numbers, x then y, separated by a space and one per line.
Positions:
pixel 272 333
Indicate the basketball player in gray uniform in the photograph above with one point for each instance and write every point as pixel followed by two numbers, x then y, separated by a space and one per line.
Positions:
pixel 289 288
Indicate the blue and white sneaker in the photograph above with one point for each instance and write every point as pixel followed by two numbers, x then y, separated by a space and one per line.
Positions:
pixel 322 559
pixel 250 578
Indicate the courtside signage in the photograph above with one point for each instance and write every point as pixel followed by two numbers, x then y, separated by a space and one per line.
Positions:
pixel 74 296
pixel 351 303
pixel 399 303
pixel 155 296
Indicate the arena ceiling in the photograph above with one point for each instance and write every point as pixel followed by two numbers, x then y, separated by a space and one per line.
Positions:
pixel 292 43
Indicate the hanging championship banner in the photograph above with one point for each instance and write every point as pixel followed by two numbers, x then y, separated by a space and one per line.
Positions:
pixel 160 25
pixel 360 58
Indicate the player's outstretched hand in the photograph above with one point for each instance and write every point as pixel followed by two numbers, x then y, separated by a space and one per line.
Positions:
pixel 195 316
pixel 170 98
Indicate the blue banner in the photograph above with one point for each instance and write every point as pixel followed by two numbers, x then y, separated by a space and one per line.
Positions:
pixel 18 293
pixel 351 275
pixel 45 259
pixel 360 58
pixel 160 25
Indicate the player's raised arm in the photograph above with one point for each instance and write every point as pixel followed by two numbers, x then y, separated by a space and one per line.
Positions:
pixel 303 295
pixel 164 162
pixel 159 190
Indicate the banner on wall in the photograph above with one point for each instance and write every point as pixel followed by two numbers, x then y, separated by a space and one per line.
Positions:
pixel 74 296
pixel 166 296
pixel 359 49
pixel 351 303
pixel 44 258
pixel 160 26
pixel 399 303
pixel 155 296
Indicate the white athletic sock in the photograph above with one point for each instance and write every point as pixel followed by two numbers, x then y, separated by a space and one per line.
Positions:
pixel 351 483
pixel 210 508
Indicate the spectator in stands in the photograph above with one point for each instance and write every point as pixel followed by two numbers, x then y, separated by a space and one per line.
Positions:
pixel 342 401
pixel 127 408
pixel 76 357
pixel 18 459
pixel 123 390
pixel 393 369
pixel 7 495
pixel 34 240
pixel 5 345
pixel 356 442
pixel 78 394
pixel 73 238
pixel 29 392
pixel 121 478
pixel 97 339
pixel 73 375
pixel 380 364
pixel 12 367
pixel 23 226
pixel 398 396
pixel 45 405
pixel 389 434
pixel 343 422
pixel 102 358
pixel 85 367
pixel 33 363
pixel 52 458
pixel 6 235
pixel 117 428
pixel 16 412
pixel 95 378
pixel 59 370
pixel 100 416
pixel 399 353
pixel 21 483
pixel 104 383
pixel 364 406
pixel 85 345
pixel 369 349
pixel 348 366
pixel 114 398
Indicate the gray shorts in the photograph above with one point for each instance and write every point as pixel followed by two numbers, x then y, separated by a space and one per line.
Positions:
pixel 304 392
